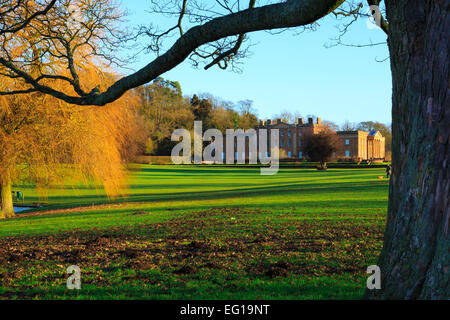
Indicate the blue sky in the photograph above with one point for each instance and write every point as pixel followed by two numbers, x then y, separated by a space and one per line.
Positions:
pixel 296 73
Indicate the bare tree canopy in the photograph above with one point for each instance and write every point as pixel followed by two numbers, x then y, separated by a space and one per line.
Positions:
pixel 16 15
pixel 54 39
pixel 54 46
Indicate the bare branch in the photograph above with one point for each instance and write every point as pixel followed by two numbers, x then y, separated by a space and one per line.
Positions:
pixel 349 14
pixel 270 17
pixel 24 23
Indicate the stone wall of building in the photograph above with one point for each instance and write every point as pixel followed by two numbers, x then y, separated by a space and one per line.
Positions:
pixel 359 145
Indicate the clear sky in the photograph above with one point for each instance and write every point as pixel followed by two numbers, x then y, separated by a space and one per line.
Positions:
pixel 296 73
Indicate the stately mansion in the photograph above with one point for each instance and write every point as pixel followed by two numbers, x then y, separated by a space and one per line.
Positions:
pixel 358 144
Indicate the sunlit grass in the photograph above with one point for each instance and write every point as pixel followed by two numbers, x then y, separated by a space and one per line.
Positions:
pixel 324 227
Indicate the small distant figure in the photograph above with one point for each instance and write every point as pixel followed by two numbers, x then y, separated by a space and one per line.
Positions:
pixel 388 171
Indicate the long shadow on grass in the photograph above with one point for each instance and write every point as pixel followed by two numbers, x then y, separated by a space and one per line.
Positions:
pixel 314 188
pixel 148 215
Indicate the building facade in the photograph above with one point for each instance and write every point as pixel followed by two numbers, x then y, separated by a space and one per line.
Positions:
pixel 291 135
pixel 358 145
pixel 361 145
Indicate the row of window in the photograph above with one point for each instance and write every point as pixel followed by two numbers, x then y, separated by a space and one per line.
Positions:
pixel 300 155
pixel 282 143
pixel 347 141
pixel 289 133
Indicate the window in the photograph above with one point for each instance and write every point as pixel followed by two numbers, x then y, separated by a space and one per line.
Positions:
pixel 299 143
pixel 289 142
pixel 300 155
pixel 289 154
pixel 223 155
pixel 282 143
pixel 347 142
pixel 282 133
pixel 236 155
pixel 347 153
pixel 289 132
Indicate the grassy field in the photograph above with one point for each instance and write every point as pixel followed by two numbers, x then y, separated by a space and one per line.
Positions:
pixel 201 233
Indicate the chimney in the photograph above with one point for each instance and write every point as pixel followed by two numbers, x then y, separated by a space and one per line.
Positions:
pixel 319 121
pixel 279 121
pixel 262 123
pixel 269 122
pixel 300 121
pixel 310 121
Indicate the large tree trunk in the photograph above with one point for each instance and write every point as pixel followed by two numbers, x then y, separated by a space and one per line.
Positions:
pixel 415 257
pixel 6 204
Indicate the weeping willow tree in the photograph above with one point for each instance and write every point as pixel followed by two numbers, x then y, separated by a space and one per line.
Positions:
pixel 46 141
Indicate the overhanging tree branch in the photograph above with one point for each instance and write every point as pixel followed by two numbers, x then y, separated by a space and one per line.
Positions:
pixel 228 54
pixel 282 15
pixel 22 24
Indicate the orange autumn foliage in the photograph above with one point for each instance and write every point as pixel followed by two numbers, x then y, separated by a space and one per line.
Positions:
pixel 49 142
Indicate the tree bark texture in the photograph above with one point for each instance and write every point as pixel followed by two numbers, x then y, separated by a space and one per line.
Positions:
pixel 415 257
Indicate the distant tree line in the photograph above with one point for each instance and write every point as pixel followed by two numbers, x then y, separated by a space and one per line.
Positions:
pixel 164 108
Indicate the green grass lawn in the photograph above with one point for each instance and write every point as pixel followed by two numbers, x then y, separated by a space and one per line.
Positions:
pixel 201 233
